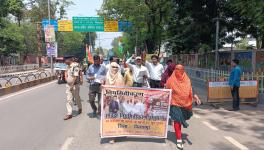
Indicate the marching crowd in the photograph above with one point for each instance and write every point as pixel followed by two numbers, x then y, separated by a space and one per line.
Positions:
pixel 135 72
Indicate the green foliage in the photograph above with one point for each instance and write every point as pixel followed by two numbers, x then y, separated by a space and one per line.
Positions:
pixel 11 39
pixel 71 43
pixel 243 44
pixel 22 38
pixel 187 25
pixel 252 11
pixel 115 48
pixel 15 39
pixel 148 18
pixel 90 38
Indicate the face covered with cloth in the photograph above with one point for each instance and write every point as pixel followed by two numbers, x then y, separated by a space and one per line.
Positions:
pixel 181 87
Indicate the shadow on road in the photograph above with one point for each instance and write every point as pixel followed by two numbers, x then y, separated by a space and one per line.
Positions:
pixel 130 139
pixel 172 138
pixel 248 121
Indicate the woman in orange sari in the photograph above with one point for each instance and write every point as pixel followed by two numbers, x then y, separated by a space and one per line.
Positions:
pixel 182 99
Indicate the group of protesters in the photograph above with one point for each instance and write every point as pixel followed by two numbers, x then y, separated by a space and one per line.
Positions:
pixel 137 72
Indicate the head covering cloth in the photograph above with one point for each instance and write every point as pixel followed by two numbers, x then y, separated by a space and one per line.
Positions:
pixel 114 78
pixel 181 87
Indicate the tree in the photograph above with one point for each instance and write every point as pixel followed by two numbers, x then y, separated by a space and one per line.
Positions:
pixel 16 8
pixel 115 47
pixel 21 38
pixel 11 39
pixel 148 18
pixel 38 9
pixel 29 32
pixel 191 27
pixel 253 11
pixel 71 43
pixel 90 37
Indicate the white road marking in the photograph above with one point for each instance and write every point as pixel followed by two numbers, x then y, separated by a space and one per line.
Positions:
pixel 210 126
pixel 67 143
pixel 196 116
pixel 236 143
pixel 3 99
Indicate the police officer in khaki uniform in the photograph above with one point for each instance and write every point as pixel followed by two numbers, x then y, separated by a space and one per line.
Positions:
pixel 72 86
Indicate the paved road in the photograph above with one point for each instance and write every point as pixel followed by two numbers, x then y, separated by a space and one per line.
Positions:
pixel 32 120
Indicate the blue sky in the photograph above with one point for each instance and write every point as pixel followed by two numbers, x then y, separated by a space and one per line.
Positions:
pixel 88 8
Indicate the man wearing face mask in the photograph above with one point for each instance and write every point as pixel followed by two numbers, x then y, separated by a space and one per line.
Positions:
pixel 72 86
pixel 140 72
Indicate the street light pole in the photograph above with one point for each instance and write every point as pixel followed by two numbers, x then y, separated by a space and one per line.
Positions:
pixel 216 42
pixel 39 42
pixel 49 10
pixel 51 56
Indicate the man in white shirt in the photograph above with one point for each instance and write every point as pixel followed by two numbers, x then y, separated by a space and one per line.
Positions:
pixel 140 72
pixel 156 70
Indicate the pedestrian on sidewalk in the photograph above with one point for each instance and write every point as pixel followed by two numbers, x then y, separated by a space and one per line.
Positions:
pixel 140 72
pixel 96 76
pixel 234 83
pixel 181 103
pixel 155 70
pixel 72 86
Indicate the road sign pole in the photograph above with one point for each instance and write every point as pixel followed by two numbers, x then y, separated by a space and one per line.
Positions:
pixel 49 10
pixel 39 43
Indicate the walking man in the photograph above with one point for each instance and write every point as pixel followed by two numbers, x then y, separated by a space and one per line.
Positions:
pixel 96 76
pixel 140 72
pixel 234 83
pixel 72 86
pixel 155 69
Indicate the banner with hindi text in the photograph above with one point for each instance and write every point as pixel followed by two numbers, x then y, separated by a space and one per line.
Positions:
pixel 137 112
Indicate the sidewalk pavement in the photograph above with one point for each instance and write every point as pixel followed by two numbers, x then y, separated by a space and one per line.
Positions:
pixel 245 125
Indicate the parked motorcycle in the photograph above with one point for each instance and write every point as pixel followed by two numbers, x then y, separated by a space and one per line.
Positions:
pixel 61 76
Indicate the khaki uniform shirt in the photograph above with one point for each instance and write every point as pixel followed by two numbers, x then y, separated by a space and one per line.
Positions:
pixel 73 71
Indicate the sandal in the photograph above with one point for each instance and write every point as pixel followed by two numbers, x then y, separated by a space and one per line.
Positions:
pixel 180 144
pixel 112 141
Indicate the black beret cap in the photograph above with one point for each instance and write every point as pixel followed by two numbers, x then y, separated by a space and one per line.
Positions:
pixel 68 57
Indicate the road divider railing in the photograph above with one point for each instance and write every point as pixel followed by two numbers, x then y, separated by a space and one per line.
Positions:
pixel 17 68
pixel 17 83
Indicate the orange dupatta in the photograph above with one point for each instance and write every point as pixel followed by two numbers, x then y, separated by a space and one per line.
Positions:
pixel 181 87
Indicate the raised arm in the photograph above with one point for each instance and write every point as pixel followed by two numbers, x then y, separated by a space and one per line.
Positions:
pixel 128 62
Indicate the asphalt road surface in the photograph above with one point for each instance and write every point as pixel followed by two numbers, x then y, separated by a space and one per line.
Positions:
pixel 33 120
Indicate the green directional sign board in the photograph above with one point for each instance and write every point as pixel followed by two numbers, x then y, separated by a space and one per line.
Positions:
pixel 88 24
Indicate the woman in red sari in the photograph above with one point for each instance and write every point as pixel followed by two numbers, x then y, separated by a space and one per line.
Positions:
pixel 181 103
